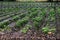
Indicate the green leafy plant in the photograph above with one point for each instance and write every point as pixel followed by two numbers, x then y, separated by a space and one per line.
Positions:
pixel 15 18
pixel 6 28
pixel 1 25
pixel 22 15
pixel 20 23
pixel 26 28
pixel 43 11
pixel 47 29
pixel 33 9
pixel 52 13
pixel 33 14
pixel 6 22
pixel 38 19
pixel 36 22
pixel 52 19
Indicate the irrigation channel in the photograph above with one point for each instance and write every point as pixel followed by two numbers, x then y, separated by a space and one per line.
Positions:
pixel 25 20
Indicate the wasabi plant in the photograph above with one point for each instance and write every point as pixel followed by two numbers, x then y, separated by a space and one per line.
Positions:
pixel 47 29
pixel 20 23
pixel 15 18
pixel 33 14
pixel 26 28
pixel 33 9
pixel 6 22
pixel 38 19
pixel 6 28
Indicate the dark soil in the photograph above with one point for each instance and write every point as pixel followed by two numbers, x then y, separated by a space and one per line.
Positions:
pixel 30 35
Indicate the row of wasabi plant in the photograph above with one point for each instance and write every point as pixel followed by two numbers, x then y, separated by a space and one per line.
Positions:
pixel 36 22
pixel 47 29
pixel 51 16
pixel 6 22
pixel 9 9
pixel 8 13
pixel 33 9
pixel 38 19
pixel 4 26
pixel 21 22
pixel 36 16
pixel 20 16
pixel 33 14
pixel 5 29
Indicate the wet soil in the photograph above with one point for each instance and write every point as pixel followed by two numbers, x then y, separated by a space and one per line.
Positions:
pixel 30 35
